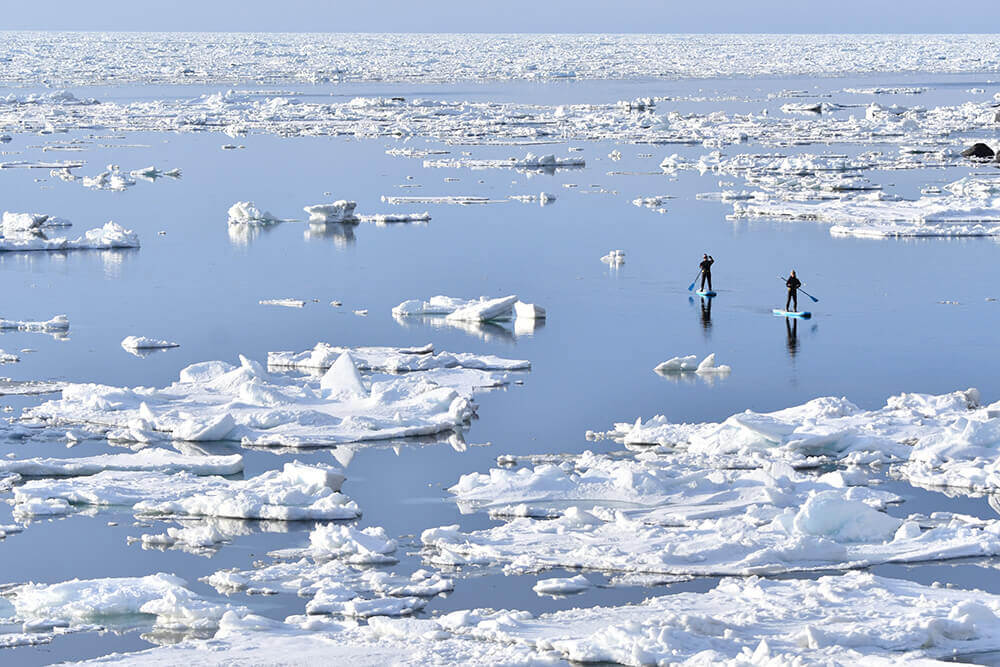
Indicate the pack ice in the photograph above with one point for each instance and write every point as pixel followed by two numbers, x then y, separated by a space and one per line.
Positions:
pixel 836 620
pixel 391 359
pixel 216 400
pixel 297 492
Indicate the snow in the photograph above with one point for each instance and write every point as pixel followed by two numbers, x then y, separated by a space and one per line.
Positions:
pixel 143 343
pixel 297 492
pixel 219 401
pixel 339 211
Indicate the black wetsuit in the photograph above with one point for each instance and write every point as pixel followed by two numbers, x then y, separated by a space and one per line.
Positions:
pixel 706 272
pixel 793 285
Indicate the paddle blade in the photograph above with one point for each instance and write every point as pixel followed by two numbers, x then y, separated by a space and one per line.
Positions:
pixel 691 286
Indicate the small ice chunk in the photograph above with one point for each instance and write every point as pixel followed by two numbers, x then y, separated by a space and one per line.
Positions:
pixel 528 311
pixel 247 213
pixel 143 343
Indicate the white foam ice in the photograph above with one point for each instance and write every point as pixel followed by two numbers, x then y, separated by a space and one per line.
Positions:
pixel 296 492
pixel 144 343
pixel 247 213
pixel 339 211
pixel 153 459
pixel 111 236
pixel 690 364
pixel 216 400
pixel 392 359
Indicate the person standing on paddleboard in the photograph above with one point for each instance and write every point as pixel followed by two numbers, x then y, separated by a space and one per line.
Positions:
pixel 793 284
pixel 706 271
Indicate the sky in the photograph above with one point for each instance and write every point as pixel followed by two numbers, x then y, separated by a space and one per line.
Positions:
pixel 664 16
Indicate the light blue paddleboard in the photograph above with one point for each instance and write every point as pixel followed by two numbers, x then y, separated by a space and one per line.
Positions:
pixel 804 314
pixel 705 293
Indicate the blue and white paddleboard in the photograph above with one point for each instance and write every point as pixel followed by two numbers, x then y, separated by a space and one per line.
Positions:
pixel 705 293
pixel 804 314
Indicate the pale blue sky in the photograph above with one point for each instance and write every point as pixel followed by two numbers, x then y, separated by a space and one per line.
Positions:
pixel 508 15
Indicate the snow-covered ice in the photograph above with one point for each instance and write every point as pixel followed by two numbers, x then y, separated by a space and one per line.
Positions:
pixel 339 211
pixel 144 343
pixel 153 459
pixel 215 400
pixel 690 364
pixel 297 492
pixel 111 236
pixel 391 359
pixel 247 213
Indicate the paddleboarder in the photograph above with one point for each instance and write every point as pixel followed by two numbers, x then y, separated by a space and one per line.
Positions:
pixel 793 284
pixel 706 271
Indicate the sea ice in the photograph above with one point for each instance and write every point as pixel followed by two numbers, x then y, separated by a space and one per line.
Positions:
pixel 152 459
pixel 614 258
pixel 59 323
pixel 339 211
pixel 482 309
pixel 690 364
pixel 109 237
pixel 219 401
pixel 391 359
pixel 143 343
pixel 297 492
pixel 247 213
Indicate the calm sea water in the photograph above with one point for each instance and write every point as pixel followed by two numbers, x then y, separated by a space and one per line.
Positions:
pixel 878 329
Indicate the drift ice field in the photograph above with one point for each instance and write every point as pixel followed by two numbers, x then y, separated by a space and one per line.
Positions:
pixel 371 348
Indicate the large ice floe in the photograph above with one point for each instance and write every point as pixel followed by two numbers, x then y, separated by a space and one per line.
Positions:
pixel 109 237
pixel 836 620
pixel 160 601
pixel 297 492
pixel 216 400
pixel 339 211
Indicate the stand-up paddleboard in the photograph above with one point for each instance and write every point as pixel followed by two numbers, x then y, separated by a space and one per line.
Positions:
pixel 804 314
pixel 706 293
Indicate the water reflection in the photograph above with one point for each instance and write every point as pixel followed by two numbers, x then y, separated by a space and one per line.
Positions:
pixel 488 331
pixel 792 333
pixel 342 234
pixel 706 316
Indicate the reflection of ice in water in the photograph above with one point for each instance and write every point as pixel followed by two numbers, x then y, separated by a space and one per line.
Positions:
pixel 340 233
pixel 489 331
pixel 204 536
pixel 527 326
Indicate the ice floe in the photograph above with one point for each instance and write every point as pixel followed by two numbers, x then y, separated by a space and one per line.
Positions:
pixel 690 364
pixel 109 237
pixel 95 603
pixel 216 400
pixel 144 343
pixel 839 620
pixel 391 359
pixel 287 303
pixel 614 258
pixel 59 323
pixel 296 492
pixel 247 213
pixel 482 309
pixel 151 459
pixel 339 211
pixel 390 218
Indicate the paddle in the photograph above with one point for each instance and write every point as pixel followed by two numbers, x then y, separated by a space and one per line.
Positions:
pixel 815 300
pixel 691 286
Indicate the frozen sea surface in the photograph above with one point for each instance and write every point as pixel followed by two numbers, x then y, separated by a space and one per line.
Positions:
pixel 311 121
